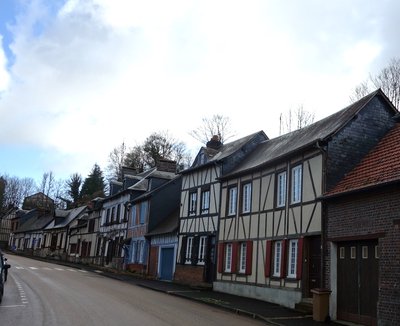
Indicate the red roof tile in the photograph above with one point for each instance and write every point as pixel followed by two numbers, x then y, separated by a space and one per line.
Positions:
pixel 380 165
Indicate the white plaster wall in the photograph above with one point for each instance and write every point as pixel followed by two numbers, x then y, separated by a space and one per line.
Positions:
pixel 285 297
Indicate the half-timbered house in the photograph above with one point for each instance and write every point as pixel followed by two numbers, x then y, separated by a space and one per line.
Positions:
pixel 56 235
pixel 200 204
pixel 272 215
pixel 28 237
pixel 363 233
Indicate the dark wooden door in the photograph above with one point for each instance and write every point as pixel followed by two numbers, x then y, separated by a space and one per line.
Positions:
pixel 311 265
pixel 357 281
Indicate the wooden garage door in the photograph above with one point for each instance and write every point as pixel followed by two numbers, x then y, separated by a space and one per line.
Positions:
pixel 357 281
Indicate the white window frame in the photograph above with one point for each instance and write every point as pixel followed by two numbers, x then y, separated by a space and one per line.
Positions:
pixel 205 201
pixel 277 258
pixel 281 189
pixel 189 247
pixel 232 200
pixel 192 203
pixel 242 257
pixel 292 258
pixel 297 172
pixel 202 249
pixel 246 198
pixel 228 258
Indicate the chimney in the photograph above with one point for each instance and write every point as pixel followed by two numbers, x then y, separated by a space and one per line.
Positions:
pixel 166 165
pixel 214 143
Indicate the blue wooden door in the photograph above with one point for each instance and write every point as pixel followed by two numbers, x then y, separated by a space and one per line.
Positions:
pixel 167 263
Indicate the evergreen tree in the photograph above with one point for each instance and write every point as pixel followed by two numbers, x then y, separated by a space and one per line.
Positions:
pixel 94 185
pixel 74 186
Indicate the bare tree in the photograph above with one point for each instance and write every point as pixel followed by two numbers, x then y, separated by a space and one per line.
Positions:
pixel 296 119
pixel 47 183
pixel 16 189
pixel 59 193
pixel 388 79
pixel 135 159
pixel 216 125
pixel 116 161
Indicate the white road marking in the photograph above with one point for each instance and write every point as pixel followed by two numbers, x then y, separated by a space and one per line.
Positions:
pixel 71 270
pixel 33 267
pixel 13 306
pixel 19 267
pixel 59 269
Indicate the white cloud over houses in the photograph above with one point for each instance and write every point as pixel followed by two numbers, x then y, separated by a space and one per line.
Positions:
pixel 4 77
pixel 91 74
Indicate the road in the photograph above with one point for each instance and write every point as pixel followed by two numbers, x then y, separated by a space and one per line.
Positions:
pixel 44 294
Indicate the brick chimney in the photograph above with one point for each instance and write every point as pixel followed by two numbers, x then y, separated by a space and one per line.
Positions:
pixel 214 143
pixel 166 165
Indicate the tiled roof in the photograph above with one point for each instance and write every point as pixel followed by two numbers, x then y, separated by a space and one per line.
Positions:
pixel 381 165
pixel 280 147
pixel 215 155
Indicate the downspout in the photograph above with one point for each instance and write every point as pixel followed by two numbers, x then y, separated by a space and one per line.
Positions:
pixel 323 211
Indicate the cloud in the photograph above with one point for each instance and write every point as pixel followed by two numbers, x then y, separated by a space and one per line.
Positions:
pixel 88 75
pixel 4 76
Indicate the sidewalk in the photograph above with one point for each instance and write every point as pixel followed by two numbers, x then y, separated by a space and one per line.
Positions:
pixel 272 314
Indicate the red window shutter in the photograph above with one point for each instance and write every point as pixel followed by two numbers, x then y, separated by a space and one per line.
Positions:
pixel 249 257
pixel 235 246
pixel 299 267
pixel 284 259
pixel 268 258
pixel 221 254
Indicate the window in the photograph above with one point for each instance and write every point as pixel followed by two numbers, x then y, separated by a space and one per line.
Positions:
pixel 91 226
pixel 292 260
pixel 117 218
pixel 352 252
pixel 242 257
pixel 232 202
pixel 228 258
pixel 202 248
pixel 277 258
pixel 113 215
pixel 133 221
pixel 341 253
pixel 143 212
pixel 296 184
pixel 108 216
pixel 246 199
pixel 142 252
pixel 192 203
pixel 281 189
pixel 189 246
pixel 205 201
pixel 365 252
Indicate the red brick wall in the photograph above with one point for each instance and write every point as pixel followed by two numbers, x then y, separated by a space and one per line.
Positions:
pixel 363 214
pixel 188 274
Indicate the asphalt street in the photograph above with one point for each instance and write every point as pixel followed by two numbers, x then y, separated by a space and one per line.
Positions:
pixel 40 293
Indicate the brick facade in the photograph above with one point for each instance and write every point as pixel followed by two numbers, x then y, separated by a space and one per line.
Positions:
pixel 368 215
pixel 188 274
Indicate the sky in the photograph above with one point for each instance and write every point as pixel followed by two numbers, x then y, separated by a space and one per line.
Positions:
pixel 79 77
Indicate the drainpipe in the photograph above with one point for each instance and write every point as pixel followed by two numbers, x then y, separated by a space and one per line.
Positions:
pixel 324 153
